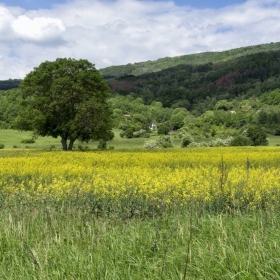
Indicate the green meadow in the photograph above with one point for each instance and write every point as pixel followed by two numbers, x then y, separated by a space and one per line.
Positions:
pixel 12 140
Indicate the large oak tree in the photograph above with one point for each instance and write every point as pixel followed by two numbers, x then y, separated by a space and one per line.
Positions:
pixel 66 98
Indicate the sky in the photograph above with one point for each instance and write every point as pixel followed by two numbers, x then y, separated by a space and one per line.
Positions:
pixel 116 32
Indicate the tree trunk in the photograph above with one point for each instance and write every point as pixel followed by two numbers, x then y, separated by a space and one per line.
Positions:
pixel 70 146
pixel 64 144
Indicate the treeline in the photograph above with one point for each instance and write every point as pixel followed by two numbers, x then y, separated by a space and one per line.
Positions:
pixel 137 119
pixel 9 107
pixel 226 117
pixel 9 84
pixel 199 87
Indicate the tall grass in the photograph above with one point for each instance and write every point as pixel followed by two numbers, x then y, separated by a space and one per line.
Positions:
pixel 68 241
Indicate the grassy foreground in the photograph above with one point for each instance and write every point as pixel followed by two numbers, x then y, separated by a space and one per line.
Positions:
pixel 197 213
pixel 70 242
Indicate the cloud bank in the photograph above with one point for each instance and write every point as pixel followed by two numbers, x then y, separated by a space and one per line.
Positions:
pixel 114 32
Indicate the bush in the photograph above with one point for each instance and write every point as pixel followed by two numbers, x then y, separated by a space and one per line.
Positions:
pixel 151 144
pixel 277 131
pixel 80 148
pixel 195 144
pixel 257 135
pixel 161 142
pixel 2 146
pixel 214 143
pixel 241 141
pixel 221 142
pixel 102 144
pixel 187 140
pixel 163 129
pixel 83 148
pixel 28 141
pixel 141 133
pixel 128 133
pixel 164 142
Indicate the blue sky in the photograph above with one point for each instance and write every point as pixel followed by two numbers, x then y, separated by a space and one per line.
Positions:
pixel 116 32
pixel 47 4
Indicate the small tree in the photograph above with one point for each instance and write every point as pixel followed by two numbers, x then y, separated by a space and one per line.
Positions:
pixel 66 98
pixel 177 121
pixel 164 142
pixel 187 140
pixel 163 129
pixel 129 133
pixel 257 135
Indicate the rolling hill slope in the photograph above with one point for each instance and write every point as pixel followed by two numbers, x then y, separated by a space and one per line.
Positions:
pixel 139 68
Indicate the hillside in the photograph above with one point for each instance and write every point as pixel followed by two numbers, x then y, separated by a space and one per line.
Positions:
pixel 192 59
pixel 194 86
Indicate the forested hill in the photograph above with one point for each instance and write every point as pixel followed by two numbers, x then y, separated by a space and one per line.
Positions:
pixel 9 84
pixel 192 86
pixel 192 59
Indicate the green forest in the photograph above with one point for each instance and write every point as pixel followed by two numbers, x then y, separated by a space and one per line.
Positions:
pixel 199 96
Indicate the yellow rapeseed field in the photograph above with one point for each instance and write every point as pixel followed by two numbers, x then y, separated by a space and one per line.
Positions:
pixel 241 176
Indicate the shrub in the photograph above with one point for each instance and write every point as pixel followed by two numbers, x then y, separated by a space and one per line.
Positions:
pixel 80 148
pixel 28 141
pixel 128 133
pixel 201 144
pixel 83 148
pixel 2 146
pixel 214 143
pixel 102 144
pixel 221 142
pixel 241 141
pixel 257 135
pixel 187 140
pixel 161 142
pixel 164 142
pixel 277 131
pixel 213 132
pixel 163 129
pixel 151 144
pixel 141 133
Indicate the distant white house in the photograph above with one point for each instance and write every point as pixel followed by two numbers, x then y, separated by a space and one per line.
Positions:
pixel 152 126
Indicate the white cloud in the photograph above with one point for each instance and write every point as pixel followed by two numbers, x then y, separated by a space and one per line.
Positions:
pixel 6 18
pixel 39 29
pixel 111 32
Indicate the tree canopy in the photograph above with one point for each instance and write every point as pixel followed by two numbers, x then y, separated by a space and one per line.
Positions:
pixel 66 98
